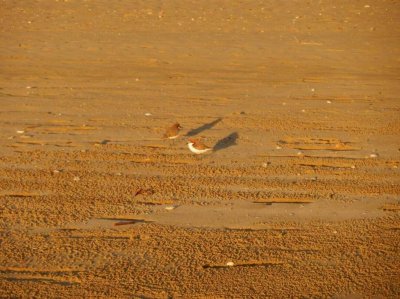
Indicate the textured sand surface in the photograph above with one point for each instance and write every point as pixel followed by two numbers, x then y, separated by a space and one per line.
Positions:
pixel 299 99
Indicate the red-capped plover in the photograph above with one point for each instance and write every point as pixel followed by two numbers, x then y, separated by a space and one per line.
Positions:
pixel 173 131
pixel 198 147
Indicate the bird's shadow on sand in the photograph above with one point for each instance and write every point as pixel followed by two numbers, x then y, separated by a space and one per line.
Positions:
pixel 226 142
pixel 202 128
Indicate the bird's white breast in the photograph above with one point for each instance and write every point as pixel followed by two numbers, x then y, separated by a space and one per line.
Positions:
pixel 197 151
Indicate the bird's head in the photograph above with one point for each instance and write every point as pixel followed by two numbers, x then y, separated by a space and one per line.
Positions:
pixel 178 126
pixel 191 141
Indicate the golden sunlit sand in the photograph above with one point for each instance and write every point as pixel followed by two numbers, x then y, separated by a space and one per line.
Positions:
pixel 299 102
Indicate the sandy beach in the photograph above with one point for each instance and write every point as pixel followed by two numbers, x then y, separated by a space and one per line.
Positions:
pixel 299 100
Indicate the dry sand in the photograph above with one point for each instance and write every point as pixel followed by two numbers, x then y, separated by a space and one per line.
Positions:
pixel 300 100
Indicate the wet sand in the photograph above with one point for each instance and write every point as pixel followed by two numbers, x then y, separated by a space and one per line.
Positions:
pixel 299 198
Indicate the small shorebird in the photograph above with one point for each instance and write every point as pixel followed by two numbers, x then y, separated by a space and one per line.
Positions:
pixel 198 147
pixel 173 131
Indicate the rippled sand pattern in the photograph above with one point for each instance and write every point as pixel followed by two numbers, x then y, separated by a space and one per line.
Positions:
pixel 298 199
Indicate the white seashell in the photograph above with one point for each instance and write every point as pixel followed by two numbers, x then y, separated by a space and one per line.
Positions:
pixel 169 208
pixel 373 156
pixel 329 102
pixel 230 264
pixel 20 132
